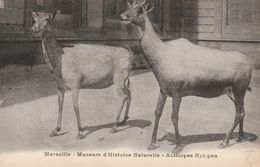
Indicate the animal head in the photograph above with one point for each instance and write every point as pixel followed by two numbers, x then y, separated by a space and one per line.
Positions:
pixel 42 21
pixel 136 11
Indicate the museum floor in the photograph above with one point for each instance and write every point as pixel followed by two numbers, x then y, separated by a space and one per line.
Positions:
pixel 29 106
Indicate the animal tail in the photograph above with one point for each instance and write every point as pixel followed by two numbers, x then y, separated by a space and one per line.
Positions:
pixel 230 94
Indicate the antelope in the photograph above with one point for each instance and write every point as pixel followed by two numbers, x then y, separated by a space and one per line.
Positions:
pixel 84 66
pixel 185 69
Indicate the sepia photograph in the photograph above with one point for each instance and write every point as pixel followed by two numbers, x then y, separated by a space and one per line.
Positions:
pixel 129 83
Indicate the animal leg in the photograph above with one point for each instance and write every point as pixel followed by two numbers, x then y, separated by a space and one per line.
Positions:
pixel 158 112
pixel 240 114
pixel 241 131
pixel 61 93
pixel 123 97
pixel 128 102
pixel 75 99
pixel 176 101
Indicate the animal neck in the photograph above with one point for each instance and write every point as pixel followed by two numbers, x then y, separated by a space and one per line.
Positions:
pixel 52 52
pixel 50 42
pixel 151 43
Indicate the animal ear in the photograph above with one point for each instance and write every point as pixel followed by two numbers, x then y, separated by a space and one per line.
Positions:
pixel 148 7
pixel 131 2
pixel 52 16
pixel 35 15
pixel 141 2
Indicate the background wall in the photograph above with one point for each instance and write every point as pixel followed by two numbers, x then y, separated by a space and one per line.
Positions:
pixel 222 24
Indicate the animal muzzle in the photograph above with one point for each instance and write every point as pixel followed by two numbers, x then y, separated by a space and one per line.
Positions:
pixel 123 17
pixel 35 30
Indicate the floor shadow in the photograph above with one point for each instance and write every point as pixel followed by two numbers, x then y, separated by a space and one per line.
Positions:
pixel 186 140
pixel 139 123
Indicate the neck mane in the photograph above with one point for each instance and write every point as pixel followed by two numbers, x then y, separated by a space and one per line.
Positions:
pixel 151 43
pixel 52 51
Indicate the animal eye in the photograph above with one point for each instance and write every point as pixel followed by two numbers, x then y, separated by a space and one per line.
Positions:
pixel 140 11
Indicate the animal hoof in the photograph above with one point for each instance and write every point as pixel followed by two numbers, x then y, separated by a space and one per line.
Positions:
pixel 177 149
pixel 125 119
pixel 223 145
pixel 80 136
pixel 54 133
pixel 152 146
pixel 113 130
pixel 122 123
pixel 239 139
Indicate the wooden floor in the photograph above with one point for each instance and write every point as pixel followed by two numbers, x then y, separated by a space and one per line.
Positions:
pixel 29 106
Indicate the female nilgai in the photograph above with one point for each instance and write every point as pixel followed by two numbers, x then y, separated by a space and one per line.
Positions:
pixel 84 66
pixel 184 69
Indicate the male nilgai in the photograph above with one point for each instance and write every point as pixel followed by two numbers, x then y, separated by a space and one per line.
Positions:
pixel 184 69
pixel 84 66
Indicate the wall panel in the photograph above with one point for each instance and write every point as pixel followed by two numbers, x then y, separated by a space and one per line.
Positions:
pixel 241 19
